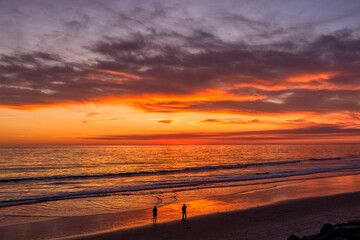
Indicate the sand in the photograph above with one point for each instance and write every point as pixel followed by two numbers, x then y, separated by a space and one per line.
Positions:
pixel 274 221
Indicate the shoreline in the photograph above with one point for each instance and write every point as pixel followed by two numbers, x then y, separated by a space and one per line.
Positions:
pixel 274 221
pixel 261 203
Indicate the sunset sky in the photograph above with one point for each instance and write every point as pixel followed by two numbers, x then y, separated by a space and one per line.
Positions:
pixel 179 72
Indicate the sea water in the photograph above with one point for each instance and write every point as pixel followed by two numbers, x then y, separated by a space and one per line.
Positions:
pixel 56 181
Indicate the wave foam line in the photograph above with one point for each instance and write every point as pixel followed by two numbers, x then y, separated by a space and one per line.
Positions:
pixel 167 185
pixel 149 173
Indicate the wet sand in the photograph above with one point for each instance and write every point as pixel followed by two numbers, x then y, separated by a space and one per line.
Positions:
pixel 276 221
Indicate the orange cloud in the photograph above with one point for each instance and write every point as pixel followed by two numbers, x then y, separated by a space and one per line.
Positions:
pixel 305 78
pixel 123 74
pixel 166 121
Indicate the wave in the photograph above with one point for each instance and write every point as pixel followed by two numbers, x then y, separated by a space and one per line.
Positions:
pixel 175 185
pixel 37 168
pixel 43 168
pixel 324 159
pixel 148 173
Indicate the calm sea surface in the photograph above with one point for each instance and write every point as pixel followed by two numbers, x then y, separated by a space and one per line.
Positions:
pixel 78 180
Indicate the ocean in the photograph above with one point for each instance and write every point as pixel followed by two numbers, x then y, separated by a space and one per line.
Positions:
pixel 41 182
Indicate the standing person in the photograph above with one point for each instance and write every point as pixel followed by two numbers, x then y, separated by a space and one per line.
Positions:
pixel 154 214
pixel 184 212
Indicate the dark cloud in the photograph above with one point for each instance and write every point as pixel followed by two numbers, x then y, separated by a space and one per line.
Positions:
pixel 314 132
pixel 241 21
pixel 167 121
pixel 91 114
pixel 186 65
pixel 346 80
pixel 232 121
pixel 122 48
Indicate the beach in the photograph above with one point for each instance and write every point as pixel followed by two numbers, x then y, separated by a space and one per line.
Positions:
pixel 276 221
pixel 295 210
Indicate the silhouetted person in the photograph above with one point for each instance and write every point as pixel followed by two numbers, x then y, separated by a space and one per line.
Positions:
pixel 184 212
pixel 154 214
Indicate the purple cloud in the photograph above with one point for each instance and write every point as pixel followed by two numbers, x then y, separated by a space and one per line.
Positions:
pixel 176 61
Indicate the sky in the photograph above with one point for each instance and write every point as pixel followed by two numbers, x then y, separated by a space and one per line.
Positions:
pixel 179 72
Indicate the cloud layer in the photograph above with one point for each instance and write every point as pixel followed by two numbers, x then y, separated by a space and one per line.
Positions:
pixel 307 133
pixel 320 76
